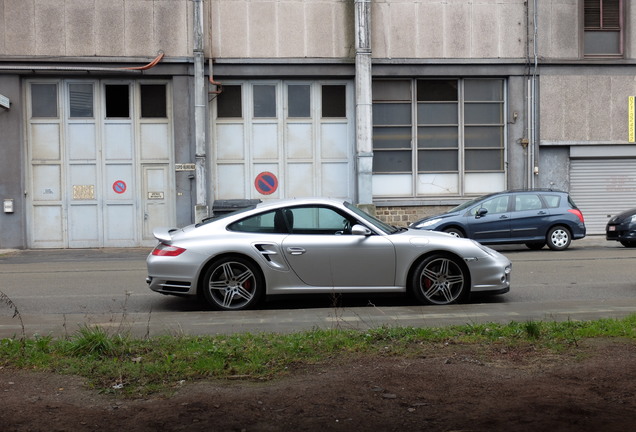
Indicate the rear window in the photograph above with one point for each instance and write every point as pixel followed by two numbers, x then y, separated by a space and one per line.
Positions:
pixel 552 201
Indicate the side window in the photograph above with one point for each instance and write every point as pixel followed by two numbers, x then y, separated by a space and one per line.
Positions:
pixel 494 205
pixel 262 223
pixel 319 220
pixel 552 201
pixel 527 202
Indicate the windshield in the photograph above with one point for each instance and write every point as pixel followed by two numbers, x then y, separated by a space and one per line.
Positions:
pixel 465 205
pixel 386 228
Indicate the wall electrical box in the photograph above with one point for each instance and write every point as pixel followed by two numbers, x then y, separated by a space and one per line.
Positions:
pixel 8 206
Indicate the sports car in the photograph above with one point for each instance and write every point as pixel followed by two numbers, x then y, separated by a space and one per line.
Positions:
pixel 314 246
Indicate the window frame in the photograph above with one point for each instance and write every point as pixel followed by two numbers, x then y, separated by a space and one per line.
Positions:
pixel 602 28
pixel 461 150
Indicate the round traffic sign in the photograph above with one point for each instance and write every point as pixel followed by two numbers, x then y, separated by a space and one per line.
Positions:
pixel 266 183
pixel 119 186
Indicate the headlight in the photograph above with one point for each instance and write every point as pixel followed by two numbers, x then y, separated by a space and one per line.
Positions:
pixel 428 223
pixel 632 219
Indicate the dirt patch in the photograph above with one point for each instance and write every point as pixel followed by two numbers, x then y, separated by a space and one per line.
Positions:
pixel 451 388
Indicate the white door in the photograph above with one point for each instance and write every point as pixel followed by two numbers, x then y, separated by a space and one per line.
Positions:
pixel 283 139
pixel 90 145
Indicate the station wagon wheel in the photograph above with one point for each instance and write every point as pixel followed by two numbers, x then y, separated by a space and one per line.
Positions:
pixel 440 280
pixel 628 244
pixel 558 238
pixel 535 246
pixel 232 283
pixel 454 232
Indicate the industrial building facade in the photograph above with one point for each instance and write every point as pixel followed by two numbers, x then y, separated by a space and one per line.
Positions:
pixel 117 117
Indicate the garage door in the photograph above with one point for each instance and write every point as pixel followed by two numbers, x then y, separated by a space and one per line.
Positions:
pixel 602 188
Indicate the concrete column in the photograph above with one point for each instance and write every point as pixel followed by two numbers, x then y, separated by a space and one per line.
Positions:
pixel 201 210
pixel 364 113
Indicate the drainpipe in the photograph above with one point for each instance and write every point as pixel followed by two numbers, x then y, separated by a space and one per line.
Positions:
pixel 533 142
pixel 364 113
pixel 200 99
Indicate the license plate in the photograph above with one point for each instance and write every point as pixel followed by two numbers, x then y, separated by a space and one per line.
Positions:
pixel 611 228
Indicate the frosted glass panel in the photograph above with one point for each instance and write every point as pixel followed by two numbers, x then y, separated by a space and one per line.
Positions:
pixel 480 183
pixel 392 185
pixel 229 144
pixel 437 184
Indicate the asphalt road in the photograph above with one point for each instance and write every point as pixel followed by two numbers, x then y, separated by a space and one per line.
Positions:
pixel 57 291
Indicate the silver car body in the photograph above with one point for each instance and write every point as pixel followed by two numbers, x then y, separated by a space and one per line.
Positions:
pixel 368 257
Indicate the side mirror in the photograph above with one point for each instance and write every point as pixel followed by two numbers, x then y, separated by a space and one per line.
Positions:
pixel 358 229
pixel 481 212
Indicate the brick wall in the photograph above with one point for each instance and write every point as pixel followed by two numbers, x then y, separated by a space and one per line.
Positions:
pixel 402 216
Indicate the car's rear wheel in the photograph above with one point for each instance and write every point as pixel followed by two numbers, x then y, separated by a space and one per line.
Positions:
pixel 233 283
pixel 454 232
pixel 559 238
pixel 440 280
pixel 628 244
pixel 535 246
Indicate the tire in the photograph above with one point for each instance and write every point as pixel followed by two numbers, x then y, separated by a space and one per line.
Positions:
pixel 233 283
pixel 454 232
pixel 558 238
pixel 628 244
pixel 535 246
pixel 440 280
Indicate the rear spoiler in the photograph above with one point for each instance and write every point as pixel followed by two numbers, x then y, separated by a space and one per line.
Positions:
pixel 163 234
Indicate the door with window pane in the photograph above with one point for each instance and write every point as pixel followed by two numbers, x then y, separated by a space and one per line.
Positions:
pixel 297 133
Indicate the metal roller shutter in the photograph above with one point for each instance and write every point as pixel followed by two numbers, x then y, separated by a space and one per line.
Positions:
pixel 602 188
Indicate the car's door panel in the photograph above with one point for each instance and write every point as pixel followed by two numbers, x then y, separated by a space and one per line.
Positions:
pixel 494 225
pixel 341 260
pixel 528 217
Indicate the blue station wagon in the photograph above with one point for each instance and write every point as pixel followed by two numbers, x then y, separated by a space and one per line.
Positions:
pixel 531 217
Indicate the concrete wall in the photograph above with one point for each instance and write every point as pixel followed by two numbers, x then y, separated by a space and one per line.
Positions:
pixel 12 231
pixel 581 105
pixel 112 28
pixel 560 29
pixel 448 29
pixel 281 28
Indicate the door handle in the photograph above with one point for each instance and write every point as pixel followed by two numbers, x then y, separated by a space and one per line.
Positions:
pixel 296 250
pixel 503 217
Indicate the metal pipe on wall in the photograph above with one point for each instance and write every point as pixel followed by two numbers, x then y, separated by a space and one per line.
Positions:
pixel 200 105
pixel 364 112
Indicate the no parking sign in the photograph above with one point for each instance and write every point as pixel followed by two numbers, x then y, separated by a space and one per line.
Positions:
pixel 266 183
pixel 119 186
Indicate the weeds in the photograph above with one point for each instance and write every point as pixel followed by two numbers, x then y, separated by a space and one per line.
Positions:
pixel 16 313
pixel 117 362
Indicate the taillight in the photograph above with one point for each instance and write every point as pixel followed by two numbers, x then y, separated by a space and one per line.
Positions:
pixel 163 249
pixel 578 214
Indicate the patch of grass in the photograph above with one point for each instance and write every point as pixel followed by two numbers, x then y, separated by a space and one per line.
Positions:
pixel 116 362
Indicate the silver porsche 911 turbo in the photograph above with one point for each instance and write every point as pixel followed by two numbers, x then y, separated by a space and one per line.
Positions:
pixel 317 246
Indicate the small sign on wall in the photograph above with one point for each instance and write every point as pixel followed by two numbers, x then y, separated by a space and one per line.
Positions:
pixel 155 195
pixel 630 121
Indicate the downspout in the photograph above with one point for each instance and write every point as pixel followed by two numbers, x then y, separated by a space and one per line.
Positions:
pixel 200 99
pixel 534 166
pixel 364 113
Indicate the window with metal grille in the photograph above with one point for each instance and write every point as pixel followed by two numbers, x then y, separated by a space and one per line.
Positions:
pixel 603 25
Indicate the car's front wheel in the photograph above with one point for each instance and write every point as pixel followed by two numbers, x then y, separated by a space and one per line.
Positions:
pixel 628 244
pixel 233 283
pixel 454 232
pixel 440 280
pixel 535 246
pixel 558 238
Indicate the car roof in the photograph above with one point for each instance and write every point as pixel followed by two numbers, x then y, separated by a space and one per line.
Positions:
pixel 516 191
